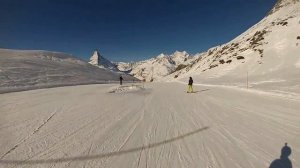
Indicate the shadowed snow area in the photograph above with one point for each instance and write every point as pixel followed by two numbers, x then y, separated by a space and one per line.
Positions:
pixel 85 126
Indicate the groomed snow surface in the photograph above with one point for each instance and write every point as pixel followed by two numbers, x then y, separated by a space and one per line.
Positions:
pixel 156 125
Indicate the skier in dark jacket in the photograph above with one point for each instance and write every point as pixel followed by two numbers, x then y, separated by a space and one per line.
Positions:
pixel 121 80
pixel 190 86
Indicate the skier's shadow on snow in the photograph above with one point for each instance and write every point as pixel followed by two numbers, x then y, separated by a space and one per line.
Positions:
pixel 100 156
pixel 283 161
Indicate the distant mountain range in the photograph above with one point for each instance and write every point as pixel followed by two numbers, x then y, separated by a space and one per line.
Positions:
pixel 268 53
pixel 152 69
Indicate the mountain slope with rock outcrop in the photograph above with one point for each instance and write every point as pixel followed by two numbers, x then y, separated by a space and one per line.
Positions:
pixel 268 53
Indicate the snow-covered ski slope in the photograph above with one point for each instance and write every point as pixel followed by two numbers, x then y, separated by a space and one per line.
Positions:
pixel 32 69
pixel 156 125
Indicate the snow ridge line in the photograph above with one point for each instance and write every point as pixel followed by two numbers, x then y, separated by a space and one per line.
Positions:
pixel 45 122
pixel 34 132
pixel 66 137
pixel 140 156
pixel 12 149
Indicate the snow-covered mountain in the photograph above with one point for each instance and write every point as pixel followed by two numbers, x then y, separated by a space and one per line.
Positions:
pixel 269 52
pixel 31 69
pixel 124 66
pixel 151 69
pixel 181 57
pixel 98 60
pixel 157 67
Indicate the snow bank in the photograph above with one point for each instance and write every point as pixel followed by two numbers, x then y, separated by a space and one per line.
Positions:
pixel 124 89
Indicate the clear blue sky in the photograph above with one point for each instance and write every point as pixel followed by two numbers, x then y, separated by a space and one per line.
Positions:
pixel 125 30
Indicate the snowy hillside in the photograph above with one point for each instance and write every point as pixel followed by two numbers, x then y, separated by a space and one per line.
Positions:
pixel 157 67
pixel 98 60
pixel 22 70
pixel 269 52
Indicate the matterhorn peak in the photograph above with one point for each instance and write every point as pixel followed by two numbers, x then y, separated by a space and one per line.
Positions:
pixel 94 60
pixel 98 60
